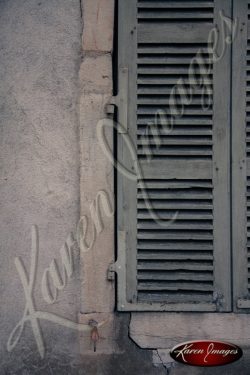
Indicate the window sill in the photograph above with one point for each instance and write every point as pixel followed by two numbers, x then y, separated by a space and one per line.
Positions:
pixel 165 330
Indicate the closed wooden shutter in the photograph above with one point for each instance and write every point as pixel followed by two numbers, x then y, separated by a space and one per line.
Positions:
pixel 182 168
pixel 241 157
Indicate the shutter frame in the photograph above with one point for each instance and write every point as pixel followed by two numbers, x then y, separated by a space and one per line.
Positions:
pixel 126 264
pixel 240 164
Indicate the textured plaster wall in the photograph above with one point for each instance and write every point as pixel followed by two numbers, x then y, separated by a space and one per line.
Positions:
pixel 40 53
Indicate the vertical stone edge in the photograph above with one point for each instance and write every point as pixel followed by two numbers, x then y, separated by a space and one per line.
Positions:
pixel 96 177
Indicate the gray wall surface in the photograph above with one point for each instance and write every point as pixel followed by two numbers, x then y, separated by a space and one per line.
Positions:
pixel 40 53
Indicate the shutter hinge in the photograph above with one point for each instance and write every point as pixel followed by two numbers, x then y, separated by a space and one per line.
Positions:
pixel 111 272
pixel 112 268
pixel 120 101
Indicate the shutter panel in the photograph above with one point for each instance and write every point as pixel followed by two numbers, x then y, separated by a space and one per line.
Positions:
pixel 241 158
pixel 185 265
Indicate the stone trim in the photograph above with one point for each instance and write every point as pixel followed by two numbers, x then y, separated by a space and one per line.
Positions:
pixel 165 330
pixel 96 88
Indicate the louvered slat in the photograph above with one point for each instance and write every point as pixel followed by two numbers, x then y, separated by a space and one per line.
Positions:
pixel 153 11
pixel 181 256
pixel 159 67
pixel 160 75
pixel 175 4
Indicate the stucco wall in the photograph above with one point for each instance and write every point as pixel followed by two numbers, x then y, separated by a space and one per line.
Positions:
pixel 40 54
